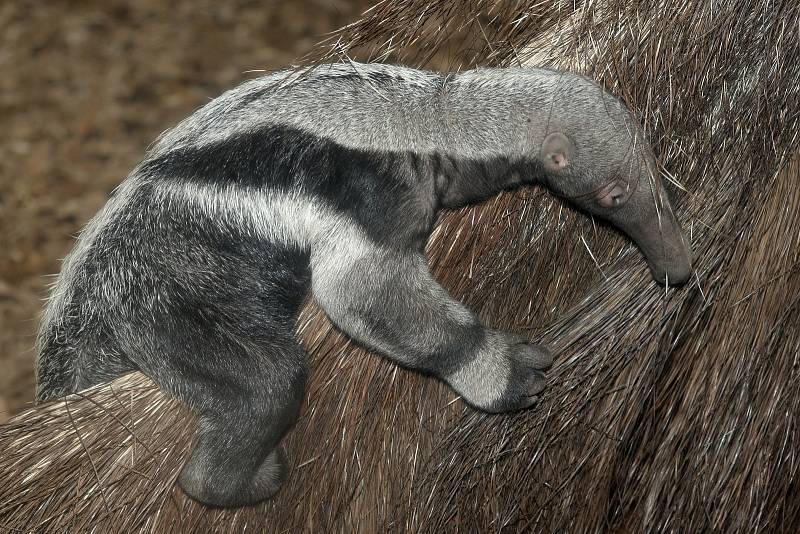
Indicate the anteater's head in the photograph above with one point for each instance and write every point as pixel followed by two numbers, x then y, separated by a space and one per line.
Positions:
pixel 596 156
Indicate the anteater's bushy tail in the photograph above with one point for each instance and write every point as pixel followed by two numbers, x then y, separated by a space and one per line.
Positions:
pixel 55 371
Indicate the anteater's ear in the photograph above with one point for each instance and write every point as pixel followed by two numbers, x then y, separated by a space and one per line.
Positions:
pixel 557 152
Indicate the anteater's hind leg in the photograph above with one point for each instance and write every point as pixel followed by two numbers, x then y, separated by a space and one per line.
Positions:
pixel 246 393
pixel 224 343
pixel 242 416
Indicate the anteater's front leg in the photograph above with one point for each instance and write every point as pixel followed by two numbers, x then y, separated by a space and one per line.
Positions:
pixel 388 301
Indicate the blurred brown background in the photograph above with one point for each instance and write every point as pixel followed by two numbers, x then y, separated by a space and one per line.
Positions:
pixel 85 86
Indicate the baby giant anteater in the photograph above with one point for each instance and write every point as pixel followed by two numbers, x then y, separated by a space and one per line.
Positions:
pixel 330 179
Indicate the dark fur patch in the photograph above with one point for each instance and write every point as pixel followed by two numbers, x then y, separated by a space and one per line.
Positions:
pixel 380 191
pixel 377 190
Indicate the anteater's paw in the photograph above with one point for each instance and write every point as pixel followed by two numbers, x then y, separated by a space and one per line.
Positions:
pixel 527 364
pixel 529 355
pixel 506 374
pixel 225 486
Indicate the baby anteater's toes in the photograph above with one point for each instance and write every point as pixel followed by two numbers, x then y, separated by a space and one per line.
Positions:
pixel 537 357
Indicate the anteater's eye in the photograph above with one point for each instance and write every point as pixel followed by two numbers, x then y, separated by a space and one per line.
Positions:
pixel 616 193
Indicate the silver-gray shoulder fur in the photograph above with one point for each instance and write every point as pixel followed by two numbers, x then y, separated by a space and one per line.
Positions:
pixel 329 179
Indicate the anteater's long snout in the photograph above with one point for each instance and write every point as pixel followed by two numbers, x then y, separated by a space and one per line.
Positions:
pixel 648 219
pixel 667 251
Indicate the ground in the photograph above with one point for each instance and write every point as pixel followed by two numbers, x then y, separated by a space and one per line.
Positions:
pixel 85 87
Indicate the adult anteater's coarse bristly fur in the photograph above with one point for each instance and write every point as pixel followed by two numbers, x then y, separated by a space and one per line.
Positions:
pixel 666 411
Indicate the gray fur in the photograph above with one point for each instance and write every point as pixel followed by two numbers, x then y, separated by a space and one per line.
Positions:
pixel 329 180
